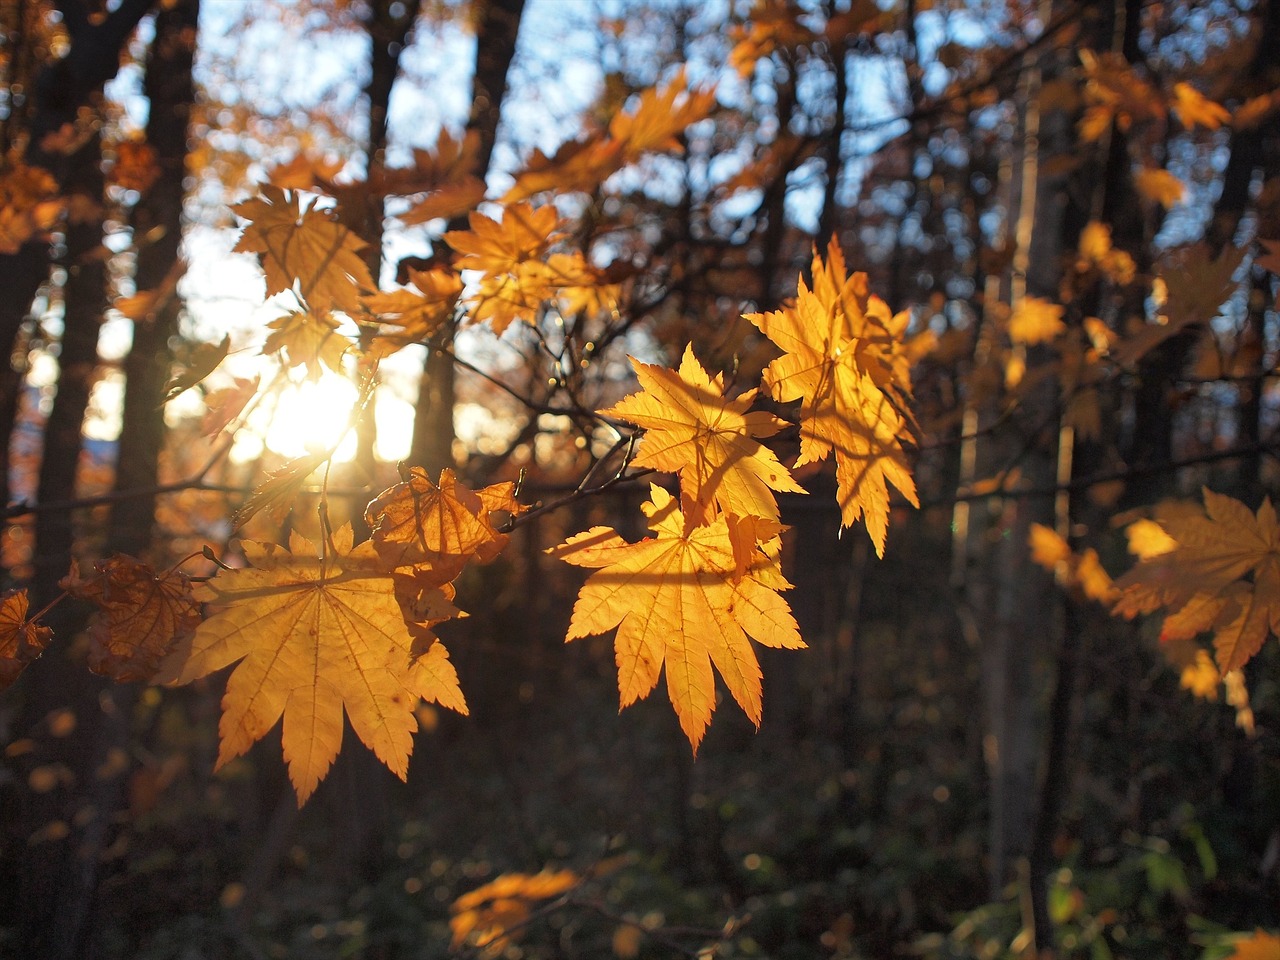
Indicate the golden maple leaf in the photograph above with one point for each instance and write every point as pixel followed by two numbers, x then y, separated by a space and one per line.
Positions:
pixel 308 339
pixel 1083 571
pixel 417 523
pixel 304 249
pixel 676 599
pixel 419 311
pixel 845 361
pixel 692 429
pixel 141 615
pixel 21 641
pixel 659 116
pixel 314 635
pixel 486 916
pixel 1200 581
pixel 510 253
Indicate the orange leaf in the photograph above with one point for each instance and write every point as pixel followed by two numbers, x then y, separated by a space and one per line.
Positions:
pixel 1260 945
pixel 314 636
pixel 1035 320
pixel 418 312
pixel 676 599
pixel 1160 186
pixel 1194 109
pixel 21 641
pixel 308 339
pixel 224 405
pixel 304 249
pixel 690 428
pixel 845 360
pixel 486 917
pixel 417 523
pixel 1201 580
pixel 141 615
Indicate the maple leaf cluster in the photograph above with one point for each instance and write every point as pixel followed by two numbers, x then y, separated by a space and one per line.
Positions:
pixel 319 629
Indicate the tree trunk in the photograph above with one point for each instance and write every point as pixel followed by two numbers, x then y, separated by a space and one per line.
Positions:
pixel 158 219
pixel 497 27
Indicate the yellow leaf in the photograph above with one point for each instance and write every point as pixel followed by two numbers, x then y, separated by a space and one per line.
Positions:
pixel 1160 186
pixel 510 253
pixel 418 523
pixel 1215 550
pixel 844 359
pixel 1147 539
pixel 486 917
pixel 304 249
pixel 277 492
pixel 691 429
pixel 313 635
pixel 1035 320
pixel 1048 549
pixel 1194 109
pixel 419 312
pixel 1201 677
pixel 308 339
pixel 659 116
pixel 677 600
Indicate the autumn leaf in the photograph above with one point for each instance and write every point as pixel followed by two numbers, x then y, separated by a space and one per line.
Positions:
pixel 141 615
pixel 21 641
pixel 691 429
pixel 487 917
pixel 277 492
pixel 204 359
pixel 308 339
pixel 226 403
pixel 417 523
pixel 1160 186
pixel 1193 109
pixel 1083 571
pixel 1035 320
pixel 1195 287
pixel 1200 581
pixel 510 253
pixel 659 116
pixel 305 249
pixel 419 311
pixel 676 600
pixel 845 361
pixel 314 636
pixel 29 204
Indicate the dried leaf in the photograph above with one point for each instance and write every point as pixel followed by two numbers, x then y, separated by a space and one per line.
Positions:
pixel 1160 186
pixel 141 615
pixel 21 641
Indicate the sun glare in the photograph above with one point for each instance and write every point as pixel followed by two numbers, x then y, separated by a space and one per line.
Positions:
pixel 309 417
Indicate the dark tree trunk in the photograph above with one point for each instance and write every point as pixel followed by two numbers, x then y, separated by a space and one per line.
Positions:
pixel 497 28
pixel 158 219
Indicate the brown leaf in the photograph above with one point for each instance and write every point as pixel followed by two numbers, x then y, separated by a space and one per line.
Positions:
pixel 21 641
pixel 141 615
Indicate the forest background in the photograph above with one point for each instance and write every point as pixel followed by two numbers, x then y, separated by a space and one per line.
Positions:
pixel 253 256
